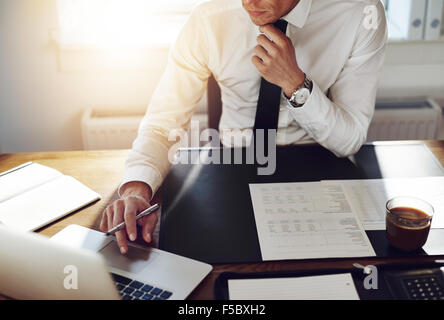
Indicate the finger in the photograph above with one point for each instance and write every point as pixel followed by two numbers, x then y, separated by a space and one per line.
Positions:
pixel 148 227
pixel 121 241
pixel 120 235
pixel 260 52
pixel 141 222
pixel 258 63
pixel 109 218
pixel 269 46
pixel 274 34
pixel 104 221
pixel 130 221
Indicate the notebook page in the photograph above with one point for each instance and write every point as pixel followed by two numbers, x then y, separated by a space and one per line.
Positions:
pixel 325 287
pixel 27 178
pixel 45 204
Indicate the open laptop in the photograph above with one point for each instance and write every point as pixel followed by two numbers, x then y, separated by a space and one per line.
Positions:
pixel 80 263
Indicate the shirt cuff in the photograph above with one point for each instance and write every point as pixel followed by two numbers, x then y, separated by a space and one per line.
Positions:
pixel 304 114
pixel 313 114
pixel 146 174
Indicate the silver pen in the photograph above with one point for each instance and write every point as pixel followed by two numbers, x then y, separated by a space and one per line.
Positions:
pixel 144 213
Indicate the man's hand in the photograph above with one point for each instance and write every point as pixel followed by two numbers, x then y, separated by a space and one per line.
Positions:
pixel 135 198
pixel 276 60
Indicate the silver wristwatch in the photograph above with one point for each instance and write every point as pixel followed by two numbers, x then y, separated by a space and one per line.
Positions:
pixel 301 94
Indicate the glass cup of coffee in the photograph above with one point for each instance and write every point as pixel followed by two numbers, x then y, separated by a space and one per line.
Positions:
pixel 408 221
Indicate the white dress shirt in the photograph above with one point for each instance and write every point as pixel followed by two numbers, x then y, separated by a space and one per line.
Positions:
pixel 335 46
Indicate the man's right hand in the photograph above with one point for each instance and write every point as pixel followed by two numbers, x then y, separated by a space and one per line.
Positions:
pixel 135 197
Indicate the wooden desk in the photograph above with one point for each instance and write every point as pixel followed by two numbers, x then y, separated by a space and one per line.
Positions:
pixel 102 171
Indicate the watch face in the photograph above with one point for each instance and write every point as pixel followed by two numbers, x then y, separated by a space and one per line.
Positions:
pixel 302 96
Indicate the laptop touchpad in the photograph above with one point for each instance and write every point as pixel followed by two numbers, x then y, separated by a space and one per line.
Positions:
pixel 134 261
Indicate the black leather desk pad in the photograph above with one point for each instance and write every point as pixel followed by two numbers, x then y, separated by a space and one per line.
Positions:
pixel 207 212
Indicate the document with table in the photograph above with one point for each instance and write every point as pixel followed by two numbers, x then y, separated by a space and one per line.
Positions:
pixel 307 221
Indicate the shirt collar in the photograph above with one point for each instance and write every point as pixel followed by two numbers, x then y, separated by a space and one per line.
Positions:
pixel 298 16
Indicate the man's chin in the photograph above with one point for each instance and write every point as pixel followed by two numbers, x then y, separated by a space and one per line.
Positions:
pixel 258 21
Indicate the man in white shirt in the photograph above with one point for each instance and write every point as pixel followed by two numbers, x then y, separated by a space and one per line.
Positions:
pixel 327 65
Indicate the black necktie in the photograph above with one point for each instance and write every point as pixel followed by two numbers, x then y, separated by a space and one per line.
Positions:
pixel 267 114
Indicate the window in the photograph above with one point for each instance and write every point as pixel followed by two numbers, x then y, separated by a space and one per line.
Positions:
pixel 121 23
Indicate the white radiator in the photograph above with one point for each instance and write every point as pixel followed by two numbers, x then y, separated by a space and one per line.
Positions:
pixel 109 129
pixel 104 129
pixel 393 120
pixel 405 120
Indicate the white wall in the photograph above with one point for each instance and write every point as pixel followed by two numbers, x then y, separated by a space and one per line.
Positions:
pixel 413 69
pixel 41 102
pixel 40 107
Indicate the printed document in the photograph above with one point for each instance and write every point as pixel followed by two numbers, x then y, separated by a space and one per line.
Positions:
pixel 369 197
pixel 307 220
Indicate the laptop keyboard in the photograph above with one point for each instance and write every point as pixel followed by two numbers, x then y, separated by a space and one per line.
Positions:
pixel 135 290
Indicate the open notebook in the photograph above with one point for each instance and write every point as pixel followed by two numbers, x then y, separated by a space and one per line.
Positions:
pixel 33 195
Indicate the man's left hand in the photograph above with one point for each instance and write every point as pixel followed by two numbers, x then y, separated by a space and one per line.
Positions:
pixel 276 60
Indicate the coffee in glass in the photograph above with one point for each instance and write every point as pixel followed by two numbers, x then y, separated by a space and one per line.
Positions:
pixel 408 222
